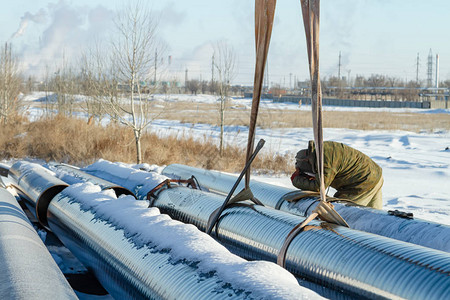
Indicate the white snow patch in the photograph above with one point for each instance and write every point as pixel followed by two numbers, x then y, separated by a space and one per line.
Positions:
pixel 138 181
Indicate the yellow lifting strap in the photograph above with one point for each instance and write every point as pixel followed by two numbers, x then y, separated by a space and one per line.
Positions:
pixel 264 13
pixel 311 22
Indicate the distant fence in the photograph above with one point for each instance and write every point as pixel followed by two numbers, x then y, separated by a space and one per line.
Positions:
pixel 263 96
pixel 348 102
pixel 357 103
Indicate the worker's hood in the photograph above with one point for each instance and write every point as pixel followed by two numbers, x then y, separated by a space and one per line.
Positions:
pixel 306 160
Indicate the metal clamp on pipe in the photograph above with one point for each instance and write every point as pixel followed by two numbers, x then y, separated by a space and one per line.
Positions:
pixel 166 184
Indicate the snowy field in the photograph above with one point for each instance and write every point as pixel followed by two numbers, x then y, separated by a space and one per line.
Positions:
pixel 416 166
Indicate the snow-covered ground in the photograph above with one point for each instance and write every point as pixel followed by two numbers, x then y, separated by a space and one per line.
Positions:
pixel 416 166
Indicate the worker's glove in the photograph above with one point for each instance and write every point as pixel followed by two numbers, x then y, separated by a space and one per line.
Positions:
pixel 295 174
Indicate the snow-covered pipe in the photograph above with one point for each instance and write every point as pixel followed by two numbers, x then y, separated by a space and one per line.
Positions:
pixel 126 269
pixel 359 263
pixel 416 231
pixel 73 175
pixel 37 185
pixel 138 181
pixel 27 270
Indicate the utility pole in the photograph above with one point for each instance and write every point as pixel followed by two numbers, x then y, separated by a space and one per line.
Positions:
pixel 430 70
pixel 437 70
pixel 290 81
pixel 185 80
pixel 417 70
pixel 348 78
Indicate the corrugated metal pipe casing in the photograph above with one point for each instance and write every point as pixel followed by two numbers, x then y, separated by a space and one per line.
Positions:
pixel 126 269
pixel 27 270
pixel 360 263
pixel 37 185
pixel 74 175
pixel 416 231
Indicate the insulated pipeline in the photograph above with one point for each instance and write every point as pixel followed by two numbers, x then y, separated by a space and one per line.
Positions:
pixel 27 270
pixel 72 175
pixel 361 264
pixel 37 185
pixel 416 231
pixel 128 265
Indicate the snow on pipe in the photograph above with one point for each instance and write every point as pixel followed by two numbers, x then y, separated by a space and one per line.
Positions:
pixel 37 186
pixel 138 181
pixel 125 269
pixel 72 175
pixel 416 231
pixel 21 277
pixel 359 263
pixel 129 266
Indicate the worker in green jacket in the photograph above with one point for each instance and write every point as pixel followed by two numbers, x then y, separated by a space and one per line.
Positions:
pixel 353 174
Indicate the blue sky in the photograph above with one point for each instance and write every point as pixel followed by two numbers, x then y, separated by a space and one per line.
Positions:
pixel 374 36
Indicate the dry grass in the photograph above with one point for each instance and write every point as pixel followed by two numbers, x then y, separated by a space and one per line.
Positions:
pixel 73 141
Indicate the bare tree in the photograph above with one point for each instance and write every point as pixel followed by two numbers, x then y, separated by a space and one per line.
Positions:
pixel 224 64
pixel 10 83
pixel 117 78
pixel 392 81
pixel 376 80
pixel 193 86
